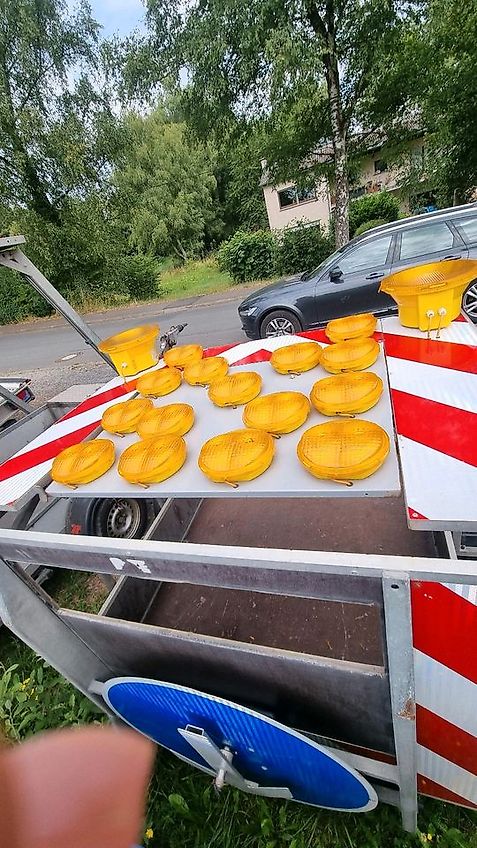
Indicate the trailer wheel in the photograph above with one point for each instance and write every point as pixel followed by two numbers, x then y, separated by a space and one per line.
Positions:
pixel 115 518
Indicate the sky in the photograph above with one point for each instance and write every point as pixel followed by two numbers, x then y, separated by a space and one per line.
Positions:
pixel 118 17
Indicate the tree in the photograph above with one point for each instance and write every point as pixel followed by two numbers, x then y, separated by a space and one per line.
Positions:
pixel 262 57
pixel 165 187
pixel 57 129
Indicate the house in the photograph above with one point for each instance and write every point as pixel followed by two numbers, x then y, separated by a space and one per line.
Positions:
pixel 288 205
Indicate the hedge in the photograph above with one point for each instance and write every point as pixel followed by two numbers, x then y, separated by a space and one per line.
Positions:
pixel 262 254
pixel 248 256
pixel 372 207
pixel 369 225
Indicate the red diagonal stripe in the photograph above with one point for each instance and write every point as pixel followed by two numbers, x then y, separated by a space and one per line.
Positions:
pixel 216 351
pixel 435 790
pixel 258 356
pixel 44 452
pixel 446 429
pixel 102 397
pixel 458 357
pixel 445 739
pixel 445 627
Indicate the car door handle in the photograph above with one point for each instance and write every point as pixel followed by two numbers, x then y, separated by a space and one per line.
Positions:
pixel 451 256
pixel 377 276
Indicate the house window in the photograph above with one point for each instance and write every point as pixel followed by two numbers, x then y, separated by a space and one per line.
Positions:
pixel 418 158
pixel 293 196
pixel 380 165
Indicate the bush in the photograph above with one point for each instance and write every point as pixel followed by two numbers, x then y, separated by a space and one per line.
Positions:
pixel 372 207
pixel 301 248
pixel 18 300
pixel 136 275
pixel 248 256
pixel 369 225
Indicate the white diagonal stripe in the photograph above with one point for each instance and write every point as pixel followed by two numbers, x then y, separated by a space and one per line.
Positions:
pixel 445 693
pixel 443 385
pixel 447 774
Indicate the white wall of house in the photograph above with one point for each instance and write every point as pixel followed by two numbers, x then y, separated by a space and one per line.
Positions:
pixel 307 210
pixel 375 175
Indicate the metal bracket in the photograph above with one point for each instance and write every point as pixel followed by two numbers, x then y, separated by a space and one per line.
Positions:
pixel 220 761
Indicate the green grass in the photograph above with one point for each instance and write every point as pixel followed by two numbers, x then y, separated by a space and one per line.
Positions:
pixel 194 278
pixel 183 809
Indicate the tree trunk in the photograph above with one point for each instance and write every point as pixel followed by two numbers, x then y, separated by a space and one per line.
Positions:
pixel 338 131
pixel 324 28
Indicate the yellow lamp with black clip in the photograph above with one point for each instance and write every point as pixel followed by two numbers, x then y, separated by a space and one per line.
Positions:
pixel 83 463
pixel 351 327
pixel 347 394
pixel 296 358
pixel 277 413
pixel 122 418
pixel 183 355
pixel 175 419
pixel 204 373
pixel 152 460
pixel 237 457
pixel 235 389
pixel 159 383
pixel 344 450
pixel 353 355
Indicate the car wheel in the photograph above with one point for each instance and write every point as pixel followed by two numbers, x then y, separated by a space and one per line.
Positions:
pixel 469 302
pixel 115 518
pixel 280 323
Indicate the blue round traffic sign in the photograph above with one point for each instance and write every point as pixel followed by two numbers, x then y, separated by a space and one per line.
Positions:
pixel 264 752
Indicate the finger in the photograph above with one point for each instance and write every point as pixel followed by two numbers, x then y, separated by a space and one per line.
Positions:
pixel 84 788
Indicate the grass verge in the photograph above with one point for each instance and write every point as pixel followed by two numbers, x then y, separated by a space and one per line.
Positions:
pixel 193 278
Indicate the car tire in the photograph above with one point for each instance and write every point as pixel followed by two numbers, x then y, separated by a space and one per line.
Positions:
pixel 469 302
pixel 281 322
pixel 113 518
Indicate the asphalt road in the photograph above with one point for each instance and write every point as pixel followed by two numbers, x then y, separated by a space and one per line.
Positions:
pixel 37 349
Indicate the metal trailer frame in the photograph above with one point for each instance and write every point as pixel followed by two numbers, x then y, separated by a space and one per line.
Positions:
pixel 88 648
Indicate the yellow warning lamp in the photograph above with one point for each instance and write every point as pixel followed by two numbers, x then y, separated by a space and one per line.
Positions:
pixel 351 327
pixel 296 358
pixel 175 419
pixel 277 413
pixel 429 296
pixel 235 389
pixel 83 463
pixel 353 355
pixel 343 450
pixel 347 394
pixel 159 383
pixel 124 417
pixel 152 460
pixel 133 350
pixel 183 355
pixel 237 457
pixel 203 373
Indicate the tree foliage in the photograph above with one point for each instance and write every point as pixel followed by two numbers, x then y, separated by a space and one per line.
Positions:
pixel 306 64
pixel 165 188
pixel 57 127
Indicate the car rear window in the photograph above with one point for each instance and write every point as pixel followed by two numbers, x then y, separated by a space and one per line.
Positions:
pixel 468 228
pixel 419 241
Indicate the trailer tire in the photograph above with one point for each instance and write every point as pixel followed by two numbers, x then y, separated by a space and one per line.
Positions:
pixel 114 518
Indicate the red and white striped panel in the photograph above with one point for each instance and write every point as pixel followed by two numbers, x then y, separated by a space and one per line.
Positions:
pixel 434 394
pixel 28 467
pixel 445 669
